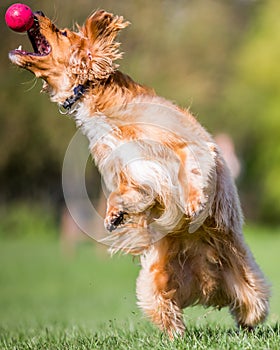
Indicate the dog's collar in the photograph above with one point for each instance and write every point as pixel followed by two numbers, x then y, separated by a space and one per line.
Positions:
pixel 78 92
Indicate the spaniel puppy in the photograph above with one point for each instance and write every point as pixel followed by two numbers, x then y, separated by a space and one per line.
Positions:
pixel 172 200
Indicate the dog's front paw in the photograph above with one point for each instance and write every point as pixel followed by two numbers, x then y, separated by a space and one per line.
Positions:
pixel 196 204
pixel 197 211
pixel 193 210
pixel 114 220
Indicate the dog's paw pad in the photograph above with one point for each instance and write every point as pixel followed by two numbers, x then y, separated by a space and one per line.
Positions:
pixel 113 221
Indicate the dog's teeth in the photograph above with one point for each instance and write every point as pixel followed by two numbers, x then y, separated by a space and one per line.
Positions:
pixel 19 48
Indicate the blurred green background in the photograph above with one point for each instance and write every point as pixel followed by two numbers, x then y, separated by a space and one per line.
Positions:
pixel 220 58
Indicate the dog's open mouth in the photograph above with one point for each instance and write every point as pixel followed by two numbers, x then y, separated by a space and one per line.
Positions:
pixel 39 43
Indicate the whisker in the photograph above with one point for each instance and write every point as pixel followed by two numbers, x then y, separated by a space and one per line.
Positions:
pixel 33 81
pixel 55 16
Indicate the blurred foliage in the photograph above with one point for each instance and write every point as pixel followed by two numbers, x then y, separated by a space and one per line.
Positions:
pixel 253 106
pixel 218 57
pixel 23 219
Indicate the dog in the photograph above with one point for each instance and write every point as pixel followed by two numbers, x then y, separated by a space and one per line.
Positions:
pixel 172 199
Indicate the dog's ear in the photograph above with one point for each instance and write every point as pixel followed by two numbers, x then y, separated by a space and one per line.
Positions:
pixel 103 26
pixel 94 60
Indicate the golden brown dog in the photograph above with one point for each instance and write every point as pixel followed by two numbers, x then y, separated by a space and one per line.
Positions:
pixel 172 199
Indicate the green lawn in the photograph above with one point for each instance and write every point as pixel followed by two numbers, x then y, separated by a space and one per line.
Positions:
pixel 87 301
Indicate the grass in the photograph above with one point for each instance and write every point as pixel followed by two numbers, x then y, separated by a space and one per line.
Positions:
pixel 87 301
pixel 145 338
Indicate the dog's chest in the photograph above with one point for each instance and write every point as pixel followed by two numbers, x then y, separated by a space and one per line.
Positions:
pixel 110 150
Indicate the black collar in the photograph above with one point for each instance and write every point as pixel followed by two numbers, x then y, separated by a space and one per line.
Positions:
pixel 79 91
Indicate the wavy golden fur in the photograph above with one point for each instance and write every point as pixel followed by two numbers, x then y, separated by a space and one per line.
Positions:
pixel 172 199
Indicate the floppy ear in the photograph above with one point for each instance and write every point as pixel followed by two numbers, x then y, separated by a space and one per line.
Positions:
pixel 103 26
pixel 94 59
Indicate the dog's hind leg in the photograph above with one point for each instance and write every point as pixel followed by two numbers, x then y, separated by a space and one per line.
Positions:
pixel 155 297
pixel 251 304
pixel 249 292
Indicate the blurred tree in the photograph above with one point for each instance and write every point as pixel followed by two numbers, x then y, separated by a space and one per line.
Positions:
pixel 253 106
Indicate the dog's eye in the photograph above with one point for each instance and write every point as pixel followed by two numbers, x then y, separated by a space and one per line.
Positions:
pixel 64 33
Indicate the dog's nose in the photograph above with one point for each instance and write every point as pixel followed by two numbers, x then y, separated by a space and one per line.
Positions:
pixel 40 13
pixel 114 222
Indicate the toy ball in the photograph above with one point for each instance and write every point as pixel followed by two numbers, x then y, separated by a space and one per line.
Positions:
pixel 19 17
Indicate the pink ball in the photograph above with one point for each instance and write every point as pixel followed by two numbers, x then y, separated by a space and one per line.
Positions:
pixel 19 17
